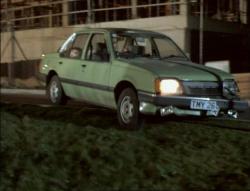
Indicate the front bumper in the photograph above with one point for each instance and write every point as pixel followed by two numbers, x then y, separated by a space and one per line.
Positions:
pixel 154 102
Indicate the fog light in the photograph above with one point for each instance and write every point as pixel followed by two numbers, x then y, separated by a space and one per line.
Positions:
pixel 233 113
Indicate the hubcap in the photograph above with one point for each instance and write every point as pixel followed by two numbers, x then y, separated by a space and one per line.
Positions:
pixel 54 91
pixel 126 109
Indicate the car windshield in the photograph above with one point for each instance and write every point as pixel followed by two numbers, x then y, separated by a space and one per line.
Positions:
pixel 131 45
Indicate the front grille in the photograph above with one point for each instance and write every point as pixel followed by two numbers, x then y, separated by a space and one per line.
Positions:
pixel 207 89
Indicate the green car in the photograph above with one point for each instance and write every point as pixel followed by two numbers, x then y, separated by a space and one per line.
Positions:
pixel 136 72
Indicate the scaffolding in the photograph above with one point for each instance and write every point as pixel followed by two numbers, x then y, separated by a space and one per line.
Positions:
pixel 17 15
pixel 29 14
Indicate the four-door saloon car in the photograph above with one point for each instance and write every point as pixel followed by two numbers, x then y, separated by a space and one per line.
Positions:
pixel 136 72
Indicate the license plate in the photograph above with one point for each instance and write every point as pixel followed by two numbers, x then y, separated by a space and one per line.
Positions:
pixel 204 105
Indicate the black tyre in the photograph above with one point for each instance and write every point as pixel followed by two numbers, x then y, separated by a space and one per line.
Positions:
pixel 128 110
pixel 55 92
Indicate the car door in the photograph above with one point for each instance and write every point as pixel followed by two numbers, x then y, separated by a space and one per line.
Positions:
pixel 71 64
pixel 96 71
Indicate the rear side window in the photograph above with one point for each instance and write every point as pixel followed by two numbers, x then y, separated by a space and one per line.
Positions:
pixel 73 46
pixel 97 49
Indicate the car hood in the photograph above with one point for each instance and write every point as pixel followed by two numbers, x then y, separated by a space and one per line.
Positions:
pixel 183 70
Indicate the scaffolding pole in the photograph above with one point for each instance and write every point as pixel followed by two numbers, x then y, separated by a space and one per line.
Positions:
pixel 12 33
pixel 13 52
pixel 90 12
pixel 201 31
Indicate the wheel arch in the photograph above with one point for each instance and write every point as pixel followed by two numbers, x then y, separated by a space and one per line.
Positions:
pixel 121 86
pixel 50 75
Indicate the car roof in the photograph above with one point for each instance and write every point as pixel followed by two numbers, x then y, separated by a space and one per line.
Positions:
pixel 120 30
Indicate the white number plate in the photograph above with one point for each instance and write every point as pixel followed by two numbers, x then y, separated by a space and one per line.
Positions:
pixel 204 105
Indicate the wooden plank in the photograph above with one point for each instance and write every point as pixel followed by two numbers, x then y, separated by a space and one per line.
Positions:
pixel 245 85
pixel 244 77
pixel 243 81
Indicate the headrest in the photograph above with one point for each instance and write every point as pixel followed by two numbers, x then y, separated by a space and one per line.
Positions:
pixel 100 46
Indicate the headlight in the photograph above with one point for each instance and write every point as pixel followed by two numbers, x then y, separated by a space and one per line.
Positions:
pixel 168 87
pixel 230 87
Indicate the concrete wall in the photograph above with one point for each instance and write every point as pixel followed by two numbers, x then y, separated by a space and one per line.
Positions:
pixel 38 41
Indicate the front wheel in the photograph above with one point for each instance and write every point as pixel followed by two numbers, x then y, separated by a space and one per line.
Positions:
pixel 128 110
pixel 55 92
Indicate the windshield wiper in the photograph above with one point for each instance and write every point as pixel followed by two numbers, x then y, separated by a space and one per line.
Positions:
pixel 173 56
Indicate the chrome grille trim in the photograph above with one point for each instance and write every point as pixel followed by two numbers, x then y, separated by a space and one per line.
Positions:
pixel 209 89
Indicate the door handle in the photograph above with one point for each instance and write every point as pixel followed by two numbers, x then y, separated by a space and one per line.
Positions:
pixel 83 65
pixel 60 62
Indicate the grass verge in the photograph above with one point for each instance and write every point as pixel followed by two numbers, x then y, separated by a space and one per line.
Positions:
pixel 62 148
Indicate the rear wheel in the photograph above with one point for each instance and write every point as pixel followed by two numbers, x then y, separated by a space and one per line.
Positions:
pixel 55 92
pixel 128 110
